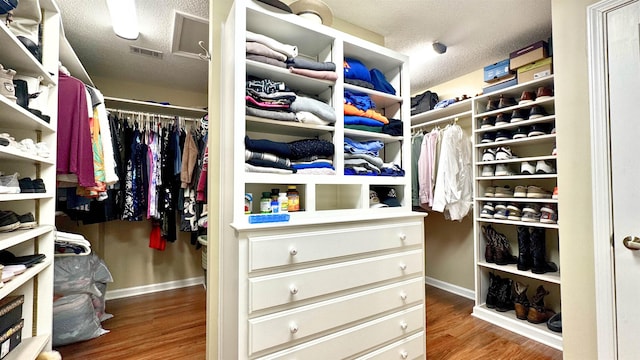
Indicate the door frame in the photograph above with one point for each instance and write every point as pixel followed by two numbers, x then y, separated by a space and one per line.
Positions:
pixel 601 176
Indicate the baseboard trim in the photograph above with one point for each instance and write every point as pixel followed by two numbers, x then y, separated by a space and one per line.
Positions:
pixel 148 289
pixel 454 289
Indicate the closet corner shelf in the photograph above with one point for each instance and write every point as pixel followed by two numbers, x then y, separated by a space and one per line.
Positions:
pixel 460 109
pixel 513 125
pixel 17 57
pixel 516 90
pixel 553 277
pixel 14 154
pixel 144 106
pixel 529 140
pixel 546 102
pixel 9 239
pixel 23 278
pixel 25 196
pixel 12 116
pixel 517 160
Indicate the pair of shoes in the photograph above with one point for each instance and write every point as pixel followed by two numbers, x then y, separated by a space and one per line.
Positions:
pixel 540 129
pixel 531 213
pixel 502 119
pixel 519 115
pixel 506 101
pixel 544 93
pixel 9 184
pixel 503 192
pixel 487 122
pixel 497 249
pixel 527 97
pixel 500 293
pixel 499 153
pixel 8 221
pixel 532 251
pixel 27 185
pixel 538 312
pixel 534 192
pixel 537 111
pixel 487 211
pixel 497 170
pixel 541 167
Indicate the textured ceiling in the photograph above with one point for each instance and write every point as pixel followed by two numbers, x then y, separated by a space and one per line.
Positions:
pixel 477 33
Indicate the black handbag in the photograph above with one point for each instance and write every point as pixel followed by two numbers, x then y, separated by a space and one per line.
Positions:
pixel 423 102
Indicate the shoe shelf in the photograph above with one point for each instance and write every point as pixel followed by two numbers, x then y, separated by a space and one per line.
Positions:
pixel 296 82
pixel 9 239
pixel 518 223
pixel 540 139
pixel 454 112
pixel 14 154
pixel 15 56
pixel 527 149
pixel 382 100
pixel 514 125
pixel 550 277
pixel 19 280
pixel 12 116
pixel 509 321
pixel 25 196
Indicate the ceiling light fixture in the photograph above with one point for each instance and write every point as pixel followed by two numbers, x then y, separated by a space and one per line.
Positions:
pixel 123 18
pixel 439 48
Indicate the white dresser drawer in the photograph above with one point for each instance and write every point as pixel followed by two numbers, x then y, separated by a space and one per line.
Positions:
pixel 280 328
pixel 292 286
pixel 298 248
pixel 411 348
pixel 355 340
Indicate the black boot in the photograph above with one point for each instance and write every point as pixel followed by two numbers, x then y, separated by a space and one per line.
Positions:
pixel 524 249
pixel 538 251
pixel 505 295
pixel 492 292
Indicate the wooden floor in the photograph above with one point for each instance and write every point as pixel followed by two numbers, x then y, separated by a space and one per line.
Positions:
pixel 171 325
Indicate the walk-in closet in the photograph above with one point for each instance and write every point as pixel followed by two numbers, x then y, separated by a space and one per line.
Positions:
pixel 315 179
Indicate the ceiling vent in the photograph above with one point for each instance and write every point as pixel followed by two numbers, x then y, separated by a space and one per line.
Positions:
pixel 188 31
pixel 146 52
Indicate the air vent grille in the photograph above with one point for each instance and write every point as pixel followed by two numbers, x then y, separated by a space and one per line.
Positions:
pixel 146 52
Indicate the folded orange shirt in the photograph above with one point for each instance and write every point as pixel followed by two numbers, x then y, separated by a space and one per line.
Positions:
pixel 372 114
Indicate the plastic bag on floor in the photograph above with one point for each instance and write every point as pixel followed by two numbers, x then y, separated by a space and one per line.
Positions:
pixel 74 319
pixel 78 274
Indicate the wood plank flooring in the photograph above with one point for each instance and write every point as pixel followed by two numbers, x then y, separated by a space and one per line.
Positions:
pixel 171 325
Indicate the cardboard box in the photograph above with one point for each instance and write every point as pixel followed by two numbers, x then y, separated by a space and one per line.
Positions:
pixel 511 81
pixel 10 338
pixel 496 72
pixel 527 55
pixel 536 70
pixel 10 311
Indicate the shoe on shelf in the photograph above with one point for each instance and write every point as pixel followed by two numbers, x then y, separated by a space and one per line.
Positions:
pixel 505 153
pixel 555 322
pixel 42 150
pixel 492 104
pixel 488 137
pixel 529 216
pixel 487 211
pixel 506 101
pixel 520 191
pixel 487 122
pixel 519 115
pixel 555 193
pixel 503 192
pixel 8 221
pixel 544 93
pixel 489 154
pixel 537 111
pixel 538 312
pixel 521 132
pixel 515 211
pixel 10 184
pixel 548 214
pixel 38 186
pixel 28 146
pixel 527 168
pixel 488 170
pixel 531 208
pixel 544 167
pixel 538 130
pixel 503 135
pixel 502 213
pixel 527 97
pixel 503 170
pixel 502 119
pixel 489 191
pixel 26 185
pixel 27 221
pixel 536 192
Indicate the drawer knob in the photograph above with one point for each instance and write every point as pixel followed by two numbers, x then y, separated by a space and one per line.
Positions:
pixel 403 325
pixel 293 251
pixel 293 289
pixel 293 328
pixel 404 354
pixel 403 236
pixel 403 266
pixel 403 295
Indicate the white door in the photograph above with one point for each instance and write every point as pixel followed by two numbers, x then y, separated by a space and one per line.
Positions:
pixel 623 26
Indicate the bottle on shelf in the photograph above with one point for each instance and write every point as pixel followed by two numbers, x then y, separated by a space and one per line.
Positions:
pixel 293 198
pixel 265 203
pixel 283 202
pixel 275 206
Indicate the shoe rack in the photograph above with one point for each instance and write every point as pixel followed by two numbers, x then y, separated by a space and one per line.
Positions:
pixel 499 161
pixel 36 284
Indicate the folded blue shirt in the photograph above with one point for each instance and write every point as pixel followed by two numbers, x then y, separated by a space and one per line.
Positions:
pixel 355 69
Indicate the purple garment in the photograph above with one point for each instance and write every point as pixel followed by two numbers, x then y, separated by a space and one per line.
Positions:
pixel 75 152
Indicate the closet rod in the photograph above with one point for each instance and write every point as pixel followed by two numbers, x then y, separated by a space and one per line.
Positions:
pixel 151 116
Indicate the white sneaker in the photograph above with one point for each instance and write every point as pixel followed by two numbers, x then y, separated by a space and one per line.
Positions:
pixel 488 170
pixel 527 168
pixel 489 155
pixel 544 167
pixel 504 153
pixel 9 184
pixel 503 170
pixel 42 150
pixel 28 146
